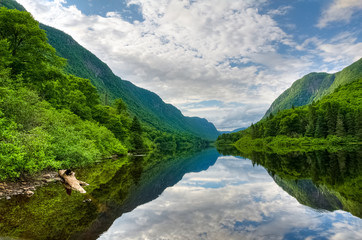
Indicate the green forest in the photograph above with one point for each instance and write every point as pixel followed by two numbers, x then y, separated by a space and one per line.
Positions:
pixel 335 119
pixel 50 119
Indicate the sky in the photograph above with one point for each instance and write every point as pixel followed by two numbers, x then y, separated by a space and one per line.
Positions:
pixel 225 61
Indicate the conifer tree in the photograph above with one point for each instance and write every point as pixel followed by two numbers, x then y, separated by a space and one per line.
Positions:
pixel 340 130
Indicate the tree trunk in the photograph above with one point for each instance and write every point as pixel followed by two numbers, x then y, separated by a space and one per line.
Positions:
pixel 71 182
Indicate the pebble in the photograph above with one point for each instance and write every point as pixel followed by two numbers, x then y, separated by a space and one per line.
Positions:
pixel 47 176
pixel 8 197
pixel 87 200
pixel 29 192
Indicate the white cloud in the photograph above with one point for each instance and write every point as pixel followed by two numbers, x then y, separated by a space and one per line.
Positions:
pixel 339 10
pixel 336 53
pixel 192 51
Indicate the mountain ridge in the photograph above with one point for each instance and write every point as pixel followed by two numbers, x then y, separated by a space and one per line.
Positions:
pixel 144 104
pixel 313 86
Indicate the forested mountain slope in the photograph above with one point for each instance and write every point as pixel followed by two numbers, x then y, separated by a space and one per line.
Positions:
pixel 335 118
pixel 313 87
pixel 144 104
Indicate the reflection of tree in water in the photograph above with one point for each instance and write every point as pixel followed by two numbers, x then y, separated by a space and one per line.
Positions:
pixel 136 168
pixel 319 179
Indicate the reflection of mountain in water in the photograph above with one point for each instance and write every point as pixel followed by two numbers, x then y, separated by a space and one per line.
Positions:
pixel 147 186
pixel 116 187
pixel 319 179
pixel 318 197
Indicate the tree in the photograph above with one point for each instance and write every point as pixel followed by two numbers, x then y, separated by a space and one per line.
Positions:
pixel 331 117
pixel 27 43
pixel 136 134
pixel 340 130
pixel 136 126
pixel 312 117
pixel 120 105
pixel 321 129
pixel 5 54
pixel 350 123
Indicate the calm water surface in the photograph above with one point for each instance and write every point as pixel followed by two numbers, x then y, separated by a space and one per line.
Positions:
pixel 232 200
pixel 203 195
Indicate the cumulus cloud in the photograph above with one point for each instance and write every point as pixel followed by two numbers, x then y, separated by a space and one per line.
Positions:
pixel 336 52
pixel 192 51
pixel 339 10
pixel 184 50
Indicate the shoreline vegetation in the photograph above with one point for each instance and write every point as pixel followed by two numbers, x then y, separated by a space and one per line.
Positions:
pixel 284 144
pixel 332 122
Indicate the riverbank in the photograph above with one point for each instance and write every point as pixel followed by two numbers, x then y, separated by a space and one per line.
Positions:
pixel 27 184
pixel 283 144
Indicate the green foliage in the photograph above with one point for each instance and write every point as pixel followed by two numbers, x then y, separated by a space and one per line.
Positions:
pixel 335 119
pixel 50 119
pixel 27 44
pixel 46 115
pixel 314 86
pixel 11 4
pixel 147 106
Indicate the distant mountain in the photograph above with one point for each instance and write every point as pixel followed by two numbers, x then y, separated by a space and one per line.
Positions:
pixel 314 86
pixel 233 131
pixel 146 105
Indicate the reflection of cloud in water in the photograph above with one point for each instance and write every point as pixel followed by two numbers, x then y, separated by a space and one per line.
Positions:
pixel 231 200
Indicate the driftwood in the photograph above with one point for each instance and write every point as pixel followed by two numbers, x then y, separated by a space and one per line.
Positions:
pixel 71 182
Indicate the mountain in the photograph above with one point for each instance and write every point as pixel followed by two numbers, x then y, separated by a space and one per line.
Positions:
pixel 144 104
pixel 313 87
pixel 233 131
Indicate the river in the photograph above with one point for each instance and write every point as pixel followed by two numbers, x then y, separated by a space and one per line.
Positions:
pixel 203 195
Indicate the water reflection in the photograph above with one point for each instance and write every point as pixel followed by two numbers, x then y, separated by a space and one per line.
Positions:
pixel 116 187
pixel 319 179
pixel 233 200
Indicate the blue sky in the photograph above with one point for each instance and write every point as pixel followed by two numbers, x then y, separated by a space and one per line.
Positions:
pixel 222 60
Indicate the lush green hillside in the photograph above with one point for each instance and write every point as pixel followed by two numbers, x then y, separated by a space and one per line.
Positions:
pixel 11 4
pixel 336 118
pixel 313 87
pixel 51 119
pixel 146 105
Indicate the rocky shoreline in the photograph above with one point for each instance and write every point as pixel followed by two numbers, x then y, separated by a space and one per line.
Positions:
pixel 27 185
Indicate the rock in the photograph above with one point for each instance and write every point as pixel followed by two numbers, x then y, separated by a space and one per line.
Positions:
pixel 50 180
pixel 1 194
pixel 2 188
pixel 24 183
pixel 57 179
pixel 47 176
pixel 87 200
pixel 29 192
pixel 8 197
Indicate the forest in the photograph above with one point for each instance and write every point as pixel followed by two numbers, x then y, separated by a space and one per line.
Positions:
pixel 50 119
pixel 335 119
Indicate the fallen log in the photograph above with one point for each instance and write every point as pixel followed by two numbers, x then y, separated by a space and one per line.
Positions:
pixel 71 182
